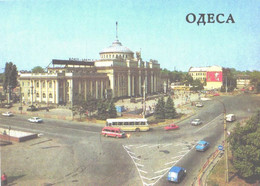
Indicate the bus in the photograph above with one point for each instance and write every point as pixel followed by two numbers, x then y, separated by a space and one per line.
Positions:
pixel 129 124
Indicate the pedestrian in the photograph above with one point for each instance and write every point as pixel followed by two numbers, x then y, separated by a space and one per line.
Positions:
pixel 4 179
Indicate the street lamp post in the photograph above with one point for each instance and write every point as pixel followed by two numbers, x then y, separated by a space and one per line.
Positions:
pixel 225 143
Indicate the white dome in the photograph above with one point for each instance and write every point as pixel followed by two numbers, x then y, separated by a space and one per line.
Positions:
pixel 116 47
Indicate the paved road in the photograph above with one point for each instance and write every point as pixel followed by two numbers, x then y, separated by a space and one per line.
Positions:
pixel 76 154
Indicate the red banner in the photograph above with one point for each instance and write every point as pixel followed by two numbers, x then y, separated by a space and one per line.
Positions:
pixel 214 76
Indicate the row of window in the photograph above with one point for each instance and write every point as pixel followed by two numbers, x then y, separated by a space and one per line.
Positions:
pixel 198 74
pixel 114 56
pixel 128 123
pixel 37 95
pixel 37 84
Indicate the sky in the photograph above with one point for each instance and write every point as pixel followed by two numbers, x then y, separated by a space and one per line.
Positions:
pixel 32 33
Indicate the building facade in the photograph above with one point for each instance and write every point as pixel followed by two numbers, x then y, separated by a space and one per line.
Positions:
pixel 118 73
pixel 211 76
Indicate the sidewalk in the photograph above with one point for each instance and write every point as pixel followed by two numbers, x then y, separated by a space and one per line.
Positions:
pixel 182 104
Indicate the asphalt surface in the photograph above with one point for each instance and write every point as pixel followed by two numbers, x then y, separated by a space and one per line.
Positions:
pixel 71 153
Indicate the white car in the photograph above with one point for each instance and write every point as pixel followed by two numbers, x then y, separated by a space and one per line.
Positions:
pixel 196 122
pixel 199 104
pixel 8 114
pixel 35 120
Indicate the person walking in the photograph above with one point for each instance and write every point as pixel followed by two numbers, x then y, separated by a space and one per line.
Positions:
pixel 4 179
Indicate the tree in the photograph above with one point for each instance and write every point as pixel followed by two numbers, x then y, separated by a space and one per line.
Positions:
pixel 112 110
pixel 170 111
pixel 245 148
pixel 38 69
pixel 90 104
pixel 10 78
pixel 102 110
pixel 196 85
pixel 255 80
pixel 188 80
pixel 159 109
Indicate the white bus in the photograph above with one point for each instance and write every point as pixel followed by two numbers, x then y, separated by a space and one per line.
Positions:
pixel 129 124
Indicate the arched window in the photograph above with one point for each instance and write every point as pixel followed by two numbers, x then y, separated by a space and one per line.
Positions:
pixel 43 84
pixel 37 94
pixel 37 84
pixel 44 95
pixel 50 84
pixel 50 95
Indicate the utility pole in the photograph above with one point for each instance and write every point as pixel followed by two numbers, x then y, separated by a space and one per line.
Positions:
pixel 225 143
pixel 226 84
pixel 71 95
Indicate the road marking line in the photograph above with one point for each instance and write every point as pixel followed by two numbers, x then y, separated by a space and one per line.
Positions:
pixel 162 170
pixel 142 171
pixel 141 146
pixel 153 146
pixel 177 156
pixel 170 162
pixel 167 145
pixel 183 151
pixel 151 178
pixel 131 152
pixel 139 164
pixel 135 157
pixel 126 147
pixel 207 123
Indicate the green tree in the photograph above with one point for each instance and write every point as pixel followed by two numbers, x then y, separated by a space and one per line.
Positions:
pixel 10 78
pixel 255 80
pixel 102 110
pixel 188 80
pixel 169 109
pixel 38 69
pixel 245 148
pixel 90 104
pixel 112 110
pixel 159 112
pixel 196 85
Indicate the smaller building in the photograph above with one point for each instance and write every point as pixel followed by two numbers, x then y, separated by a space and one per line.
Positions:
pixel 243 81
pixel 212 76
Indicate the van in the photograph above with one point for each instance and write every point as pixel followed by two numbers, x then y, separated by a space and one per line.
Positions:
pixel 176 174
pixel 230 117
pixel 113 132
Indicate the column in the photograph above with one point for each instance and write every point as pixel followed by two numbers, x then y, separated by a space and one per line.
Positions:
pixel 129 83
pixel 133 86
pixel 57 91
pixel 53 91
pixel 140 83
pixel 102 95
pixel 40 91
pixel 96 89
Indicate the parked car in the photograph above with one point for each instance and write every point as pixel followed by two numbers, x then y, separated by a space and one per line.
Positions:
pixel 113 132
pixel 8 114
pixel 176 174
pixel 171 127
pixel 196 122
pixel 202 145
pixel 7 106
pixel 199 104
pixel 32 108
pixel 216 94
pixel 35 120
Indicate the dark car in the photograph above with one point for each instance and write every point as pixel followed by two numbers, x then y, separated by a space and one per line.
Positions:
pixel 32 108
